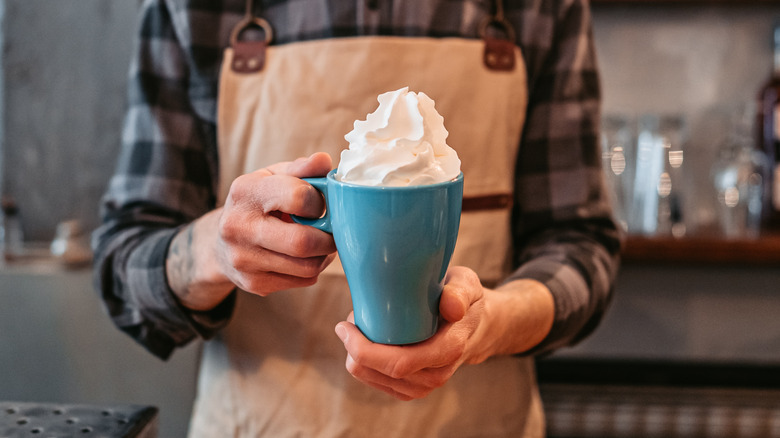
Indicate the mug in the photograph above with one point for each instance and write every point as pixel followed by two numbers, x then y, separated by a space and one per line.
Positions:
pixel 395 245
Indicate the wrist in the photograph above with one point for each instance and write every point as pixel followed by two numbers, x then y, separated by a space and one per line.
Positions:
pixel 517 317
pixel 191 268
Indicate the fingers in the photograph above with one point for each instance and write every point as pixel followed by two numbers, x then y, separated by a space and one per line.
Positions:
pixel 254 261
pixel 397 361
pixel 317 164
pixel 413 371
pixel 260 248
pixel 384 366
pixel 402 389
pixel 262 193
pixel 270 282
pixel 252 212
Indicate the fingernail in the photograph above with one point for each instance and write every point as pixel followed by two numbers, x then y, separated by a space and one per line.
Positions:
pixel 341 332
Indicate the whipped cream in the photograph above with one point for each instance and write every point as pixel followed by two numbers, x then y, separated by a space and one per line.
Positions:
pixel 402 143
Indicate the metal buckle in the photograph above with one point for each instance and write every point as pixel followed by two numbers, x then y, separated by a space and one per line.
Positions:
pixel 249 56
pixel 499 53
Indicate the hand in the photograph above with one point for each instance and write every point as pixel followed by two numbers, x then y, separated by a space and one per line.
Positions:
pixel 251 242
pixel 413 371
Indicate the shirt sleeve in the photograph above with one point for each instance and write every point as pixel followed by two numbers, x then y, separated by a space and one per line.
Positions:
pixel 564 234
pixel 164 179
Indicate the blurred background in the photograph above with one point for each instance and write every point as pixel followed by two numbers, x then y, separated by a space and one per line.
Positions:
pixel 696 303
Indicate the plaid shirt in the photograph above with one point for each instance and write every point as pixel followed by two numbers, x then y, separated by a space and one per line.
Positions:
pixel 562 230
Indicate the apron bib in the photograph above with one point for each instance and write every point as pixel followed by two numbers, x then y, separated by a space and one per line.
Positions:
pixel 277 369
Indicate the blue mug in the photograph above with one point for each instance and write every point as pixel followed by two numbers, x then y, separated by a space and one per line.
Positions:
pixel 395 245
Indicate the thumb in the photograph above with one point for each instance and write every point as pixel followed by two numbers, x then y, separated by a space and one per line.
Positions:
pixel 453 305
pixel 462 289
pixel 317 164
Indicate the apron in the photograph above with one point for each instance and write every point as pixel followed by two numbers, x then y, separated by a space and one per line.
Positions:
pixel 277 369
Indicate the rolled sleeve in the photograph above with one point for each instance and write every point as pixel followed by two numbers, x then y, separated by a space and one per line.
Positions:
pixel 563 230
pixel 165 178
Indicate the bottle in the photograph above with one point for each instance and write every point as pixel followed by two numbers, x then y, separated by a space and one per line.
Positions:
pixel 12 238
pixel 768 140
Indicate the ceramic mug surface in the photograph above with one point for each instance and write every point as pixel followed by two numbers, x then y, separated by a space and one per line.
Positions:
pixel 395 244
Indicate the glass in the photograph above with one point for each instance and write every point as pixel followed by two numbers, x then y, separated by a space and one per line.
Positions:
pixel 643 161
pixel 671 138
pixel 643 217
pixel 739 175
pixel 617 146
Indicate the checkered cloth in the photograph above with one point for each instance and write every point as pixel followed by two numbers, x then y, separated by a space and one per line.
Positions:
pixel 562 229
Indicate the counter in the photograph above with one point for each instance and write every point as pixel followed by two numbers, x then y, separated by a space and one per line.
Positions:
pixel 58 345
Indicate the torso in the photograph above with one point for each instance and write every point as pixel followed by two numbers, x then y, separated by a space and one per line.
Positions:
pixel 278 369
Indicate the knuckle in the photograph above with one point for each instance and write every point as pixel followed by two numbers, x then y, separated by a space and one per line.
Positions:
pixel 244 283
pixel 300 197
pixel 307 281
pixel 229 229
pixel 238 189
pixel 302 244
pixel 454 353
pixel 235 261
pixel 357 355
pixel 400 368
pixel 436 381
pixel 355 370
pixel 307 197
pixel 472 278
pixel 310 268
pixel 468 275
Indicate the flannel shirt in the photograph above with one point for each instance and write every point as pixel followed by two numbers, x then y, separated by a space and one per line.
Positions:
pixel 562 229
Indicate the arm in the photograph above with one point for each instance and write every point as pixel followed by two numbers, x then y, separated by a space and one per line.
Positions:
pixel 164 179
pixel 571 244
pixel 566 254
pixel 167 262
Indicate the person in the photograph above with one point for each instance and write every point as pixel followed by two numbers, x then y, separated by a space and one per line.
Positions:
pixel 231 103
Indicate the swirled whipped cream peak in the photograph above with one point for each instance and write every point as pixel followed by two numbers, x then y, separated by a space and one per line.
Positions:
pixel 402 143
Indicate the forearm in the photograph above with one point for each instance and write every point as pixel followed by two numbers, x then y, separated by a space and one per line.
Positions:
pixel 130 279
pixel 554 299
pixel 192 267
pixel 578 267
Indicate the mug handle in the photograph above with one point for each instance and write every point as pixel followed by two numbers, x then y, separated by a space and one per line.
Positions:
pixel 321 223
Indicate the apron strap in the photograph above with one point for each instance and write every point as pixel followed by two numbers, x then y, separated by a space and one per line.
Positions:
pixel 249 55
pixel 498 201
pixel 499 53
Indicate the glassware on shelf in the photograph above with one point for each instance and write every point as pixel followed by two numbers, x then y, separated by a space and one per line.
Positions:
pixel 643 217
pixel 671 135
pixel 739 176
pixel 617 146
pixel 648 191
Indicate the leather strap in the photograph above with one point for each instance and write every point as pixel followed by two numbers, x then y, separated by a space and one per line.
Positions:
pixel 248 56
pixel 487 202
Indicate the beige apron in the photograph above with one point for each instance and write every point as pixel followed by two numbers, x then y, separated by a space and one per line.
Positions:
pixel 277 369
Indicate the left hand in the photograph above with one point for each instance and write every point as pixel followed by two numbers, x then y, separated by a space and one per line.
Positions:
pixel 413 371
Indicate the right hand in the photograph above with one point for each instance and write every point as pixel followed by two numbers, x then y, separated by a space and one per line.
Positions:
pixel 252 243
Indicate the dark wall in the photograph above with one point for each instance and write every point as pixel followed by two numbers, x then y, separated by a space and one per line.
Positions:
pixel 65 67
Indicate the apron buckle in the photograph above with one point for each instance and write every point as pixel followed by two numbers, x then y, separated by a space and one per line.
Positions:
pixel 248 56
pixel 499 37
pixel 499 54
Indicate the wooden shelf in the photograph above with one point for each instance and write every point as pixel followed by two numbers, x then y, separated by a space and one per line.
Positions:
pixel 686 2
pixel 764 250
